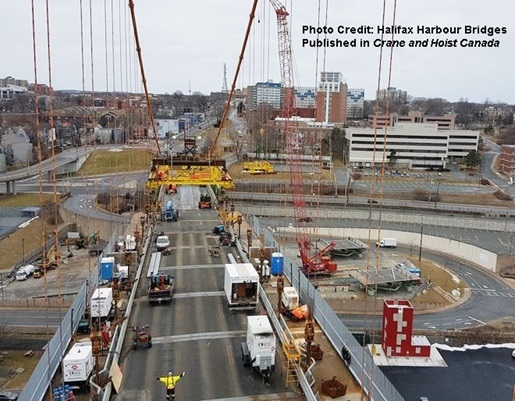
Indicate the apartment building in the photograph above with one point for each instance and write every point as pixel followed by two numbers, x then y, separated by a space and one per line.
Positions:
pixel 264 93
pixel 331 98
pixel 391 93
pixel 355 102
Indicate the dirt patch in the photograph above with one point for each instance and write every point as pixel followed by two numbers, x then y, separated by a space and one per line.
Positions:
pixel 16 368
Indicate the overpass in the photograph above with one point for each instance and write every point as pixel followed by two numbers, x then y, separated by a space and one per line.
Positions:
pixel 66 162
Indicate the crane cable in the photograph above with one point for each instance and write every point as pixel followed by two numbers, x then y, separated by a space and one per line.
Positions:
pixel 368 255
pixel 233 85
pixel 40 175
pixel 380 177
pixel 143 78
pixel 86 118
pixel 54 181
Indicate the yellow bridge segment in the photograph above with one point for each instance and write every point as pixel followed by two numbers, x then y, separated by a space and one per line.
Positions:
pixel 197 175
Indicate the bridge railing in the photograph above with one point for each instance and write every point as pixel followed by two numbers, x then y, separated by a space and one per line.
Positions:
pixel 373 381
pixel 41 379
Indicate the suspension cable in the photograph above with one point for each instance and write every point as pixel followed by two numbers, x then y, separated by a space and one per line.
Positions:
pixel 143 78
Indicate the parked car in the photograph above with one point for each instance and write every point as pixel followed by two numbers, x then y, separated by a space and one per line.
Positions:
pixel 8 396
pixel 305 220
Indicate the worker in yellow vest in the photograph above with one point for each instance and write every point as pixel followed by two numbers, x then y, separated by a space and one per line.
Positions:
pixel 170 381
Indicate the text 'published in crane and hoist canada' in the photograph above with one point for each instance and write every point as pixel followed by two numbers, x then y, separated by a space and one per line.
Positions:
pixel 464 36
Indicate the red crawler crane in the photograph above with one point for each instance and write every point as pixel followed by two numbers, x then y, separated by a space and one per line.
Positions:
pixel 317 263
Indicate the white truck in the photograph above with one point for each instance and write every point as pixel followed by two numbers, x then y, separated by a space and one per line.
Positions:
pixel 241 285
pixel 24 272
pixel 387 243
pixel 101 303
pixel 162 242
pixel 259 349
pixel 78 364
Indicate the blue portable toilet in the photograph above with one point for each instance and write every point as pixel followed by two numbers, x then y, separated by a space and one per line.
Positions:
pixel 107 268
pixel 277 265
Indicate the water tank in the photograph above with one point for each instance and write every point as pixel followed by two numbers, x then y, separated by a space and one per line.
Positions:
pixel 3 163
pixel 277 263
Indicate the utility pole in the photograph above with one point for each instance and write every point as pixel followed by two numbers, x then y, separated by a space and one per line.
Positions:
pixel 437 190
pixel 420 245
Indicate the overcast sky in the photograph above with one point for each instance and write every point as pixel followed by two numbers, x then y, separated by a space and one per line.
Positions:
pixel 186 43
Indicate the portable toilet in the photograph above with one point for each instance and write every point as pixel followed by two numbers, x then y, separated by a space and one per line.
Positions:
pixel 277 265
pixel 107 268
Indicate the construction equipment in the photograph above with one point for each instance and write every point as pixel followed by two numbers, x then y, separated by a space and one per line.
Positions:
pixel 141 338
pixel 259 349
pixel 78 365
pixel 205 201
pixel 101 304
pixel 191 174
pixel 258 167
pixel 317 263
pixel 227 239
pixel 74 238
pixel 160 288
pixel 169 213
pixel 50 259
pixel 171 189
pixel 219 229
pixel 214 251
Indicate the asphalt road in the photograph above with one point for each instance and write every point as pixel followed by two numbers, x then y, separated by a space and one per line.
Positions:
pixel 197 330
pixel 491 299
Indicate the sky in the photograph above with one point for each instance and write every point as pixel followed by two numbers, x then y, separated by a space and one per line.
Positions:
pixel 186 43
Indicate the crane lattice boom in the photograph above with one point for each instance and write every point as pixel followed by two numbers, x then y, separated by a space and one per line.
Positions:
pixel 294 142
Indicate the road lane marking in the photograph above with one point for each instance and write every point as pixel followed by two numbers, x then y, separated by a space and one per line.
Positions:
pixel 198 336
pixel 476 320
pixel 199 294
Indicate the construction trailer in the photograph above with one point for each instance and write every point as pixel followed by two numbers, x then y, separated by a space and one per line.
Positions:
pixel 259 349
pixel 241 285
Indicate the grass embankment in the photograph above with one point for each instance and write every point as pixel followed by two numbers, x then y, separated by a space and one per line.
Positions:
pixel 116 161
pixel 27 239
pixel 439 277
pixel 24 240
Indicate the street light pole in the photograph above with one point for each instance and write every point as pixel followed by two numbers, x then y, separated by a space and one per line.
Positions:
pixel 437 190
pixel 171 151
pixel 420 245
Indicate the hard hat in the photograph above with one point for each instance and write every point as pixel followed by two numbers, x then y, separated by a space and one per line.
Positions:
pixel 170 373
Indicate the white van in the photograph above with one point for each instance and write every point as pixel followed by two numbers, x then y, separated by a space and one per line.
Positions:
pixel 21 275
